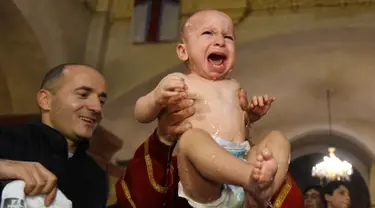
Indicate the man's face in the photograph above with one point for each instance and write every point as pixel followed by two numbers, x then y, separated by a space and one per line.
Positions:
pixel 76 107
pixel 312 199
pixel 210 44
pixel 340 198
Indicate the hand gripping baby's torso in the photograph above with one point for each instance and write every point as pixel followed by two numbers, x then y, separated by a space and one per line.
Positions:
pixel 217 107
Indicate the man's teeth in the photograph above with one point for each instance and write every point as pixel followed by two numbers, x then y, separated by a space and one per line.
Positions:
pixel 87 119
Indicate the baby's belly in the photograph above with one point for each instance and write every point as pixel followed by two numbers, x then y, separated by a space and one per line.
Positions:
pixel 226 123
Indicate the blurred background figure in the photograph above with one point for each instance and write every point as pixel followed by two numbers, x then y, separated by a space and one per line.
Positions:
pixel 312 197
pixel 336 194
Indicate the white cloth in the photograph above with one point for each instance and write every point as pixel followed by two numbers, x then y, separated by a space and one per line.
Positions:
pixel 231 196
pixel 13 196
pixel 226 200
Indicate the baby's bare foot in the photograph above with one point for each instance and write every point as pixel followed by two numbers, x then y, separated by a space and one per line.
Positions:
pixel 257 169
pixel 259 190
pixel 262 175
pixel 268 167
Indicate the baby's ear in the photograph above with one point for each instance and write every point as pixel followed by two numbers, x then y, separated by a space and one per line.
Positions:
pixel 181 52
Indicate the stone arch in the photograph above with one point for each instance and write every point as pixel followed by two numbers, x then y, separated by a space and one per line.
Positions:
pixel 60 26
pixel 22 62
pixel 300 169
pixel 31 43
pixel 347 148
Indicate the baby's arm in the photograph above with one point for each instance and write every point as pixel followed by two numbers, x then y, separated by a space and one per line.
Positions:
pixel 148 107
pixel 256 108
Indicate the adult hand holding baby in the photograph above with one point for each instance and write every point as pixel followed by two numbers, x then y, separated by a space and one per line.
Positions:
pixel 179 107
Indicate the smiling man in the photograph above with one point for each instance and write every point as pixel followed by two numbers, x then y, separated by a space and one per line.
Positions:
pixel 50 153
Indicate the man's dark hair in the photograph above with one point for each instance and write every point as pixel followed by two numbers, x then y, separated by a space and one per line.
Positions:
pixel 54 74
pixel 315 187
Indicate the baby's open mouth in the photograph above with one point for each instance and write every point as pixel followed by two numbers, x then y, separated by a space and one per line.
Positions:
pixel 217 58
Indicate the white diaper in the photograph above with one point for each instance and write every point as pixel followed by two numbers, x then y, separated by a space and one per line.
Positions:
pixel 226 200
pixel 231 196
pixel 13 196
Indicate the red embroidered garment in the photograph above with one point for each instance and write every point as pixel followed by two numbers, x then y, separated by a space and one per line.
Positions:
pixel 150 183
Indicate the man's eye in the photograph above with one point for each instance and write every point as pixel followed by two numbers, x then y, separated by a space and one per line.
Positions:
pixel 206 33
pixel 82 95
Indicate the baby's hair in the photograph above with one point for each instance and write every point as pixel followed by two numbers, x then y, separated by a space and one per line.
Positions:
pixel 183 26
pixel 186 22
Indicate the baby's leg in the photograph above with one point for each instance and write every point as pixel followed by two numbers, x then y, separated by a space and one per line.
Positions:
pixel 271 158
pixel 204 166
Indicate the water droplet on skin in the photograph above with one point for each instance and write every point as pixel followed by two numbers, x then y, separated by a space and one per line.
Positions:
pixel 216 130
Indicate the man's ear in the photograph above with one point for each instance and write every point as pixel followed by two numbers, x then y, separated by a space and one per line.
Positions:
pixel 44 99
pixel 181 52
pixel 327 197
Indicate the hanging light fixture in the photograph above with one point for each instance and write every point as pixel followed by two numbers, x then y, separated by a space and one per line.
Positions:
pixel 332 168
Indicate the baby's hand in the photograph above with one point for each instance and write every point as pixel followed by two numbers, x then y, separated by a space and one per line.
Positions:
pixel 171 85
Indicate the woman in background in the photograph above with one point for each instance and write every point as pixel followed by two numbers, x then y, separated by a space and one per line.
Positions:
pixel 336 194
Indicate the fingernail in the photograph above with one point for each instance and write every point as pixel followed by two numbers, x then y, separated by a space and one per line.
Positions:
pixel 190 102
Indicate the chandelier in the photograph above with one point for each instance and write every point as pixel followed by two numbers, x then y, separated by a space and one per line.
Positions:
pixel 332 168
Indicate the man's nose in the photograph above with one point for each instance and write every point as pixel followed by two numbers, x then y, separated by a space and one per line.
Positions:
pixel 95 105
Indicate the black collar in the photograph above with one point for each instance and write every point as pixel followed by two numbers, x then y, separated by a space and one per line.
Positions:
pixel 55 141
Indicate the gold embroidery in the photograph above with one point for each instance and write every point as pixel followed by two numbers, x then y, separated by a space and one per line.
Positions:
pixel 150 171
pixel 127 193
pixel 283 193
